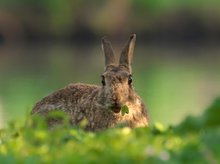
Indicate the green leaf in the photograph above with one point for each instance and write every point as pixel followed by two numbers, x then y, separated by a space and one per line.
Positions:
pixel 124 109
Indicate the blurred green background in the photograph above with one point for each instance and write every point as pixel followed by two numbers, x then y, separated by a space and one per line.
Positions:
pixel 45 44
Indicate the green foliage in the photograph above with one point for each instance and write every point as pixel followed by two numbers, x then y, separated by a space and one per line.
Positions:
pixel 209 119
pixel 124 110
pixel 195 140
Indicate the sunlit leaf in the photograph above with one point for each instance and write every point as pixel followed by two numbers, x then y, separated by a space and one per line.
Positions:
pixel 124 110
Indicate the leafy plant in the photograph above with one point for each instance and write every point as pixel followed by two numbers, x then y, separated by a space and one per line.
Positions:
pixel 195 140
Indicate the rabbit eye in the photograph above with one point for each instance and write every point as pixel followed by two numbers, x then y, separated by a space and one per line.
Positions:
pixel 103 80
pixel 129 79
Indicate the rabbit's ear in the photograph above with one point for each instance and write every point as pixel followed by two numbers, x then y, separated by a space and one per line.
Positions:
pixel 127 53
pixel 108 52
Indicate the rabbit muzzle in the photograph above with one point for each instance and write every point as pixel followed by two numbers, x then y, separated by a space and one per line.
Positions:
pixel 116 108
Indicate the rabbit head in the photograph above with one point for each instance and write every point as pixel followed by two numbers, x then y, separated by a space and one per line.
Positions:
pixel 116 80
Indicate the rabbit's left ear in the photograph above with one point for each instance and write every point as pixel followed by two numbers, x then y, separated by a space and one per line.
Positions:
pixel 108 52
pixel 127 53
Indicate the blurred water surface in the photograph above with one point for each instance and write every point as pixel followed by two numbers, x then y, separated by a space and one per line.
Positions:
pixel 173 81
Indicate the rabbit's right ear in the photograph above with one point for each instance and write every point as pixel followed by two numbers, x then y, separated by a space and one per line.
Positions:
pixel 108 52
pixel 127 53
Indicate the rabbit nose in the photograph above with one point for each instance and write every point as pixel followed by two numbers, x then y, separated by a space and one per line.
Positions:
pixel 115 100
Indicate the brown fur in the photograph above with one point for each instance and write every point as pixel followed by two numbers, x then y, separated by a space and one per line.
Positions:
pixel 100 105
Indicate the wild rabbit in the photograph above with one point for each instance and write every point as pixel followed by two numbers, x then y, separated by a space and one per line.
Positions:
pixel 101 105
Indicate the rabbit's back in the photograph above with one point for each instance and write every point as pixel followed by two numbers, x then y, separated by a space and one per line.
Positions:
pixel 68 99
